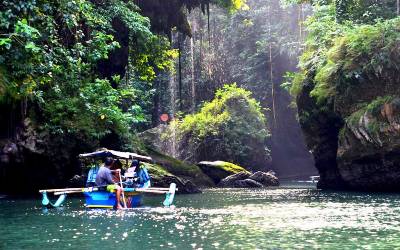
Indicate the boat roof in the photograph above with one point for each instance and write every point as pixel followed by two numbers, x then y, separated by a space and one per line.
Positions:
pixel 115 154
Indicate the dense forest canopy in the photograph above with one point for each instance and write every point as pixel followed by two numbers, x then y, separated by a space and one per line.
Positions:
pixel 82 67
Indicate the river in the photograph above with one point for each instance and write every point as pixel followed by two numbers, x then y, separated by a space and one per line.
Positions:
pixel 282 218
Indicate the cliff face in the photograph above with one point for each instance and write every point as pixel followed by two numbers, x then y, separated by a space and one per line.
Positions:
pixel 321 129
pixel 349 110
pixel 369 147
pixel 32 159
pixel 355 148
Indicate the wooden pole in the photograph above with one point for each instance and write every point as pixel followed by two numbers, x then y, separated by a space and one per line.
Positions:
pixel 159 188
pixel 123 193
pixel 68 192
pixel 145 190
pixel 139 190
pixel 60 190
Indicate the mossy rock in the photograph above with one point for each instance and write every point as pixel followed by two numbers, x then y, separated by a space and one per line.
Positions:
pixel 156 171
pixel 165 165
pixel 218 170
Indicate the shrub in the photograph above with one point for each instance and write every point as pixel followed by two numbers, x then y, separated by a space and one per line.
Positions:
pixel 231 127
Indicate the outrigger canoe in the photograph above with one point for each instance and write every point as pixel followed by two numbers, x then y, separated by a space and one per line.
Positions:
pixel 98 197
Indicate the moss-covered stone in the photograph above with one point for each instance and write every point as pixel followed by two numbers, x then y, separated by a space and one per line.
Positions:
pixel 163 178
pixel 166 165
pixel 218 170
pixel 156 171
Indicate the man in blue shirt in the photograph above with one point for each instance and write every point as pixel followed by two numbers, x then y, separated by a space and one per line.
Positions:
pixel 104 178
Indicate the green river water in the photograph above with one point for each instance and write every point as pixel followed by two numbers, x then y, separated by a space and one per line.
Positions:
pixel 283 218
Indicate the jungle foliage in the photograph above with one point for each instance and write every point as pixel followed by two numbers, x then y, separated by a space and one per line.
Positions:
pixel 348 70
pixel 55 64
pixel 341 55
pixel 259 43
pixel 367 53
pixel 50 52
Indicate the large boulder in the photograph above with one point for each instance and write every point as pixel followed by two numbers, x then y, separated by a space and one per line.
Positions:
pixel 184 186
pixel 218 170
pixel 186 182
pixel 231 128
pixel 230 180
pixel 247 183
pixel 154 139
pixel 166 165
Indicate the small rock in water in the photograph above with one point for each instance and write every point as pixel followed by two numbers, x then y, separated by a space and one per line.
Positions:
pixel 183 185
pixel 265 178
pixel 247 183
pixel 245 180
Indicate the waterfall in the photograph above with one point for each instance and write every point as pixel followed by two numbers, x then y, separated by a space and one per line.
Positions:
pixel 172 88
pixel 172 95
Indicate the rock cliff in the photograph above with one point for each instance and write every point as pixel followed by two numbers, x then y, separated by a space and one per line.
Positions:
pixel 349 110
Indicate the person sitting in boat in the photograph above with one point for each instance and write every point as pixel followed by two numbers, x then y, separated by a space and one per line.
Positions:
pixel 130 174
pixel 116 170
pixel 137 175
pixel 143 177
pixel 91 178
pixel 104 178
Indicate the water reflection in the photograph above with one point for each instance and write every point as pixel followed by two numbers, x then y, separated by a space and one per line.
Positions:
pixel 217 219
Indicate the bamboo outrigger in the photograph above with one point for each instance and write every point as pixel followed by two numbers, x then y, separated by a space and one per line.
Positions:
pixel 98 197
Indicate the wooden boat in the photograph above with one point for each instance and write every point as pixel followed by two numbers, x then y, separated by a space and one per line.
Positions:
pixel 99 197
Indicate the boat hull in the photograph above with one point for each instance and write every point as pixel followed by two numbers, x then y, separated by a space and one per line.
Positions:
pixel 104 199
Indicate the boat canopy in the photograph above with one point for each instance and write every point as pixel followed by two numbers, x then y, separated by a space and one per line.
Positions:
pixel 115 154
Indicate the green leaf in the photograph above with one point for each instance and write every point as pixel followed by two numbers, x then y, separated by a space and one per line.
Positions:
pixel 32 47
pixel 6 42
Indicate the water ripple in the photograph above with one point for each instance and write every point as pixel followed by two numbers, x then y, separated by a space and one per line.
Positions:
pixel 217 219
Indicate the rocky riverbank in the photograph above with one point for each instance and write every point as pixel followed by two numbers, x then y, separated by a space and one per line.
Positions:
pixel 192 178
